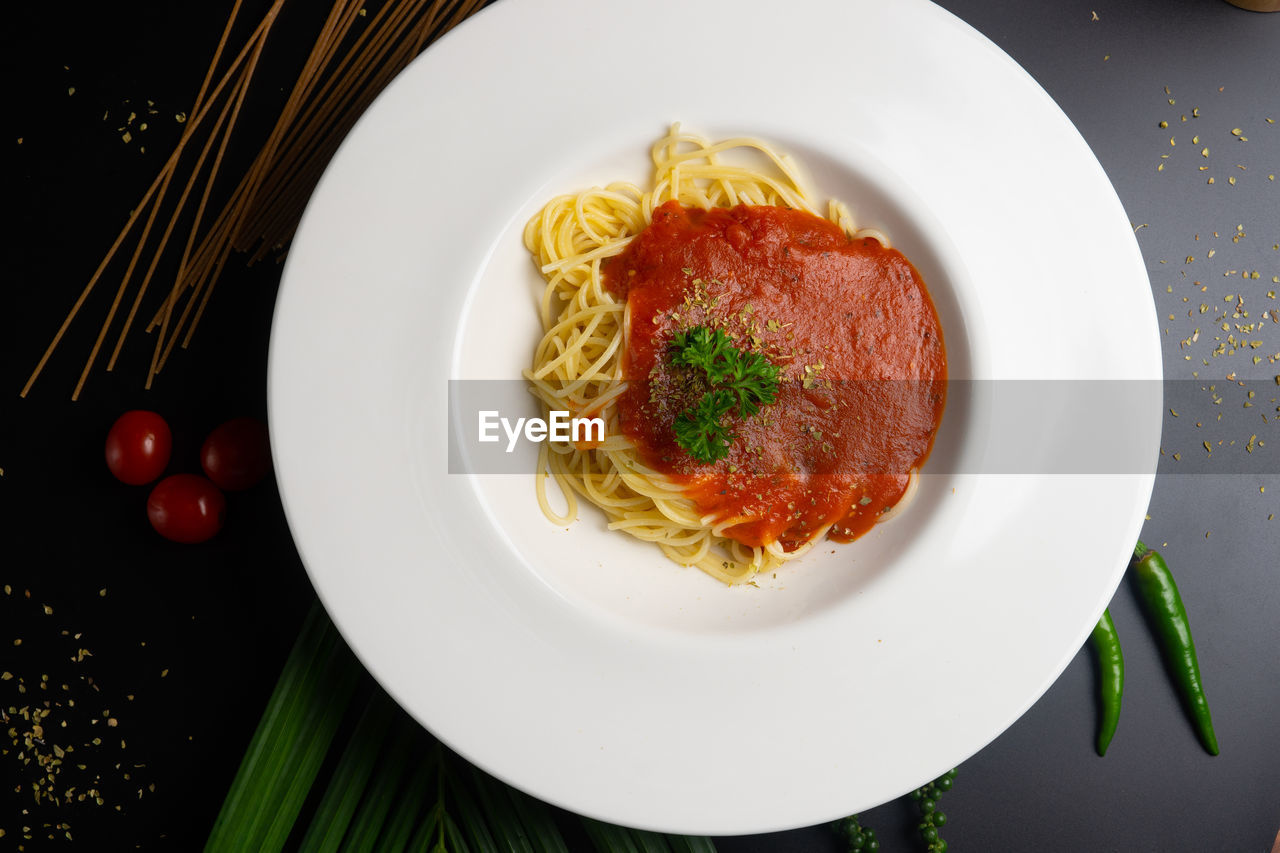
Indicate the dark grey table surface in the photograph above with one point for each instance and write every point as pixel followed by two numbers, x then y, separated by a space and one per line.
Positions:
pixel 218 617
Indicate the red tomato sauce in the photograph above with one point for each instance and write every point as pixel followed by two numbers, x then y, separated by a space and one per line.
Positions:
pixel 854 332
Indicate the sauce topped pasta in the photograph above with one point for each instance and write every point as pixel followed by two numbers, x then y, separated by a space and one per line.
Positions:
pixel 853 332
pixel 838 327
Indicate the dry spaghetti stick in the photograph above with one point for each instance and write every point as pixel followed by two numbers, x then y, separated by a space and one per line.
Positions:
pixel 374 52
pixel 287 209
pixel 197 265
pixel 124 283
pixel 194 265
pixel 88 288
pixel 202 266
pixel 235 213
pixel 220 247
pixel 217 55
pixel 276 223
pixel 256 170
pixel 331 48
pixel 426 26
pixel 200 110
pixel 204 299
pixel 204 85
pixel 468 8
pixel 265 163
pixel 326 99
pixel 344 84
pixel 313 120
pixel 206 256
pixel 288 206
pixel 214 251
pixel 208 292
pixel 177 210
pixel 234 103
pixel 192 124
pixel 257 43
pixel 205 253
pixel 182 319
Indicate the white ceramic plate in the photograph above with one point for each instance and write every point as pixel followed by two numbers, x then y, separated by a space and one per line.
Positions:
pixel 583 667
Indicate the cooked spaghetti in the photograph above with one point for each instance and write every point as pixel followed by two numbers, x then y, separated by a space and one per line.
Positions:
pixel 736 252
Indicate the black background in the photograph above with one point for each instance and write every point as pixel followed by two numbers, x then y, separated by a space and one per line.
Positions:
pixel 187 641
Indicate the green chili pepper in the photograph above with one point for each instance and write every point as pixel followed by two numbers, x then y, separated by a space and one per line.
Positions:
pixel 1160 595
pixel 1106 642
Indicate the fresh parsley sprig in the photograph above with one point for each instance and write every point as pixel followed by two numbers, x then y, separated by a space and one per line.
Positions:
pixel 699 430
pixel 703 348
pixel 737 379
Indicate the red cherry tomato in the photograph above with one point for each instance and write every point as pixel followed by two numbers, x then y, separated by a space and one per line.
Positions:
pixel 186 508
pixel 138 447
pixel 237 454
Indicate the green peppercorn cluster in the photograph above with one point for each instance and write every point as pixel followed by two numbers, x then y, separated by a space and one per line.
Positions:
pixel 861 839
pixel 931 819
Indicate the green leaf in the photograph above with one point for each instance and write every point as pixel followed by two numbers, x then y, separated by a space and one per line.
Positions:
pixel 290 743
pixel 691 844
pixel 453 840
pixel 699 430
pixel 350 778
pixel 609 838
pixel 754 383
pixel 371 816
pixel 469 811
pixel 508 831
pixel 409 808
pixel 537 819
pixel 431 833
pixel 650 842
